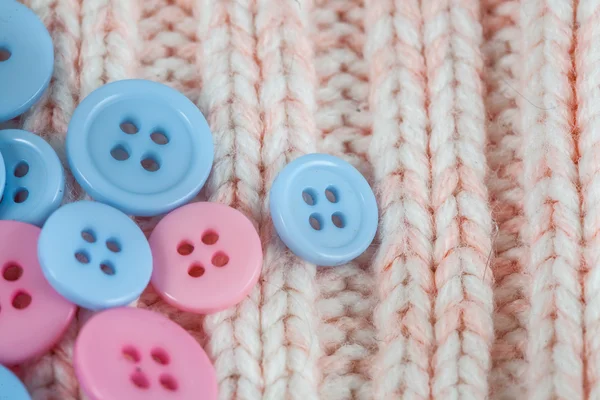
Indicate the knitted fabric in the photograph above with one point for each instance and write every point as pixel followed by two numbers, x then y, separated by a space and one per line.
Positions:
pixel 477 123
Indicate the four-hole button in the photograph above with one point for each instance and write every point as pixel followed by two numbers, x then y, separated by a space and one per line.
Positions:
pixel 33 316
pixel 94 255
pixel 323 209
pixel 136 354
pixel 139 146
pixel 207 257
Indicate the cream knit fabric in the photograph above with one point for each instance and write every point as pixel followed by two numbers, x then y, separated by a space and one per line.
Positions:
pixel 476 122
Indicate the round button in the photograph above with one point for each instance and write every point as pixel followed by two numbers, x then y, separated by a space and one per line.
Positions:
pixel 207 257
pixel 323 209
pixel 135 354
pixel 11 387
pixel 139 146
pixel 33 317
pixel 35 179
pixel 94 255
pixel 26 59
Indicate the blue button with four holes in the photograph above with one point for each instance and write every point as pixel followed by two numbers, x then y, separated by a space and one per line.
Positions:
pixel 323 209
pixel 94 255
pixel 26 59
pixel 139 146
pixel 11 387
pixel 35 180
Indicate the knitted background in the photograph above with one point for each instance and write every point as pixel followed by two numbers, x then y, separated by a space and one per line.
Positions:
pixel 476 122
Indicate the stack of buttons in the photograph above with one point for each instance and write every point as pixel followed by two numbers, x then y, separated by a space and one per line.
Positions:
pixel 138 148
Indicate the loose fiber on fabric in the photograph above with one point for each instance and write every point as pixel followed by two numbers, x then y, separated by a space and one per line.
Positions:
pixel 475 122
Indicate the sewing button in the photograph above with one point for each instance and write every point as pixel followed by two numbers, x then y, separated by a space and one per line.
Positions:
pixel 94 255
pixel 323 209
pixel 11 387
pixel 33 317
pixel 26 59
pixel 135 354
pixel 207 257
pixel 35 179
pixel 139 146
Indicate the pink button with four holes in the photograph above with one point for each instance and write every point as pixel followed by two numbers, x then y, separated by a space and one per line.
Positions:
pixel 207 257
pixel 135 354
pixel 33 316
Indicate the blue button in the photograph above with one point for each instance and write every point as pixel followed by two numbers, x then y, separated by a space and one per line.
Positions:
pixel 94 255
pixel 11 387
pixel 323 209
pixel 26 59
pixel 35 179
pixel 139 146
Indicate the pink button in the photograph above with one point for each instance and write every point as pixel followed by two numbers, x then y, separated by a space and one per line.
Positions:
pixel 33 317
pixel 207 257
pixel 135 354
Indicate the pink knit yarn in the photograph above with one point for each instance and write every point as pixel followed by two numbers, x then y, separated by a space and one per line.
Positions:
pixel 476 124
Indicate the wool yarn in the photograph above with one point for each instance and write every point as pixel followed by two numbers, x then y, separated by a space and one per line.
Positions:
pixel 475 121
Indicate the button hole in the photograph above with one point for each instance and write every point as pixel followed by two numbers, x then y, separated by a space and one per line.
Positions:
pixel 196 270
pixel 168 382
pixel 5 54
pixel 82 256
pixel 185 248
pixel 309 196
pixel 332 195
pixel 131 354
pixel 160 356
pixel 119 153
pixel 210 237
pixel 21 195
pixel 140 380
pixel 338 219
pixel 21 169
pixel 21 300
pixel 107 268
pixel 113 245
pixel 150 163
pixel 220 259
pixel 315 221
pixel 129 127
pixel 89 236
pixel 159 138
pixel 12 272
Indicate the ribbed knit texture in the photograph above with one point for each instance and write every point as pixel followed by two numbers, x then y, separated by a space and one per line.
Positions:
pixel 477 123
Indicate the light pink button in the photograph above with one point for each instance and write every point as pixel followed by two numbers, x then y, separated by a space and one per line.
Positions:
pixel 135 354
pixel 33 316
pixel 207 257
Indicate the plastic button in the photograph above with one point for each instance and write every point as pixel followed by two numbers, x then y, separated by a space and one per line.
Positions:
pixel 26 59
pixel 323 209
pixel 207 257
pixel 33 317
pixel 135 354
pixel 139 146
pixel 11 387
pixel 35 179
pixel 94 255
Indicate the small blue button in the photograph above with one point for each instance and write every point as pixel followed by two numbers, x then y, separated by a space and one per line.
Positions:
pixel 323 209
pixel 35 180
pixel 94 255
pixel 11 387
pixel 26 59
pixel 139 146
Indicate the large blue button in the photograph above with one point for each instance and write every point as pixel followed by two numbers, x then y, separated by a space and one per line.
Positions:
pixel 139 146
pixel 11 387
pixel 35 179
pixel 94 255
pixel 323 209
pixel 26 59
